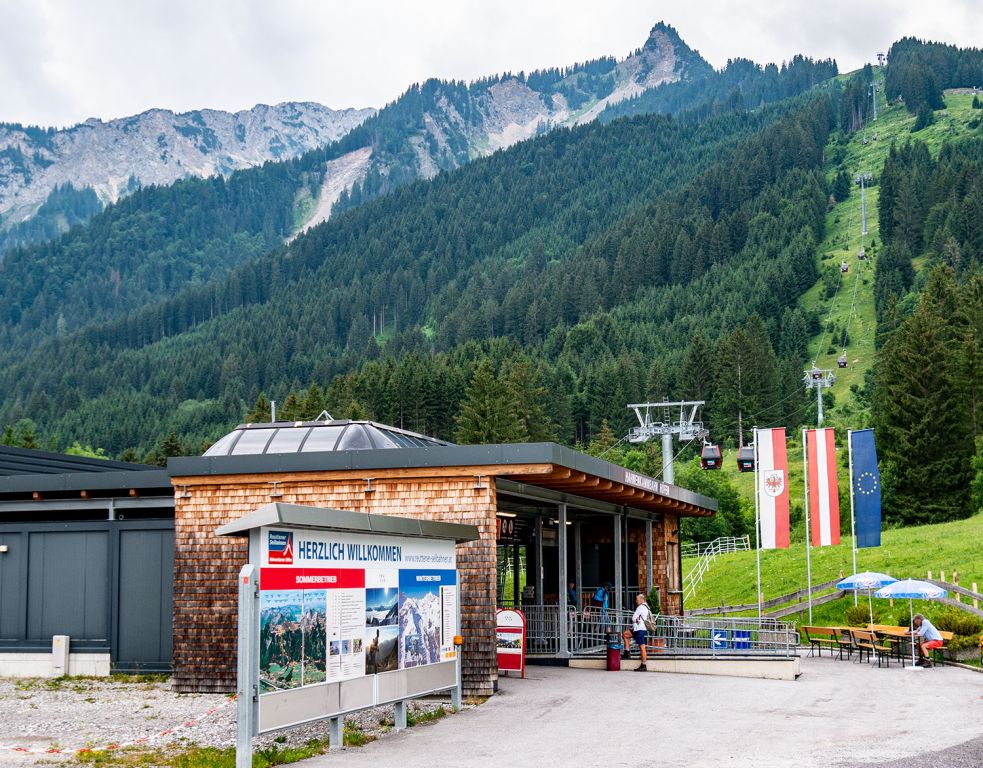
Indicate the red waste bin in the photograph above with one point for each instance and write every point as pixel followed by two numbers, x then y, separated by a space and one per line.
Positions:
pixel 614 652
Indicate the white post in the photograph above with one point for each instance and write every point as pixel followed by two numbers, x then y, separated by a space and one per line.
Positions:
pixel 562 619
pixel 757 523
pixel 853 521
pixel 247 687
pixel 805 501
pixel 911 615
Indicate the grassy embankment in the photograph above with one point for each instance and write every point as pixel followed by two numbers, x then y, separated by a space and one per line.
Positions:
pixel 906 552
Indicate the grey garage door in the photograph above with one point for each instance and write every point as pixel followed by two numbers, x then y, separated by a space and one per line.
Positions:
pixel 146 566
pixel 107 584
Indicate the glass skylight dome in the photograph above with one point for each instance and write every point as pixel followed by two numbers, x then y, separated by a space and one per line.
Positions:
pixel 314 436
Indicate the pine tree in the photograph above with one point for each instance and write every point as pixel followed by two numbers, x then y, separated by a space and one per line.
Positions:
pixel 842 185
pixel 526 386
pixel 696 379
pixel 260 412
pixel 924 118
pixel 490 412
pixel 923 422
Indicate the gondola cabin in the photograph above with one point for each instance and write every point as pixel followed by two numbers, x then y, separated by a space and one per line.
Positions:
pixel 745 459
pixel 862 253
pixel 844 267
pixel 711 457
pixel 816 374
pixel 841 361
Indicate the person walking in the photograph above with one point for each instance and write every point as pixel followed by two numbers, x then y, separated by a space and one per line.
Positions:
pixel 640 630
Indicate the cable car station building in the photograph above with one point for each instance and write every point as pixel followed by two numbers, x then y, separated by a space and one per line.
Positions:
pixel 566 515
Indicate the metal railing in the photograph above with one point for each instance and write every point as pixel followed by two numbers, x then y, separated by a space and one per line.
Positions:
pixel 679 636
pixel 721 546
pixel 586 629
pixel 672 635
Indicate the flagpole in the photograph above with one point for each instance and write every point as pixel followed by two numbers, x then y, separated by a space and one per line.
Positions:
pixel 757 523
pixel 853 521
pixel 805 501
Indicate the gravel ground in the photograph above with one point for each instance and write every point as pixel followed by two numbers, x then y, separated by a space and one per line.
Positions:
pixel 75 713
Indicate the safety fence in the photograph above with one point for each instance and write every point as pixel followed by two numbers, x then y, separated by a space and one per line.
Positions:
pixel 721 637
pixel 585 630
pixel 587 634
pixel 769 604
pixel 721 545
pixel 705 556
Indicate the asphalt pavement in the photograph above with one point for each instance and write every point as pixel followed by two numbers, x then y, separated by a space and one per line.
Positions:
pixel 837 713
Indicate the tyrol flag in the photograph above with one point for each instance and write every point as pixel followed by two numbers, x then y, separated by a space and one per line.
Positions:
pixel 824 499
pixel 866 488
pixel 772 478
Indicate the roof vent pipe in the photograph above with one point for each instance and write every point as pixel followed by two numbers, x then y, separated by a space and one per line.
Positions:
pixel 272 411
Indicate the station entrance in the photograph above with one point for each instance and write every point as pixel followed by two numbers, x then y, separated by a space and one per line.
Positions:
pixel 582 560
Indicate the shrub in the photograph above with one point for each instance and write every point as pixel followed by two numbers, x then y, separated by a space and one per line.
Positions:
pixel 959 622
pixel 655 604
pixel 859 616
pixel 959 642
pixel 903 618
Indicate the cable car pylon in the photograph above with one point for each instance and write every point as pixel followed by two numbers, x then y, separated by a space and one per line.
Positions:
pixel 819 379
pixel 649 426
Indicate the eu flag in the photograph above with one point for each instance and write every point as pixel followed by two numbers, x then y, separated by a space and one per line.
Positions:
pixel 866 488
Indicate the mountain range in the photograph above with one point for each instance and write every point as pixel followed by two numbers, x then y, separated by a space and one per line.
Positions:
pixel 45 172
pixel 665 229
pixel 115 157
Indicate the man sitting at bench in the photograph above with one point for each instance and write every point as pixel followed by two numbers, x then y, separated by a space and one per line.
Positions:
pixel 930 638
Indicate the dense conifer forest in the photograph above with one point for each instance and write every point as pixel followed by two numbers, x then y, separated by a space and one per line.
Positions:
pixel 532 294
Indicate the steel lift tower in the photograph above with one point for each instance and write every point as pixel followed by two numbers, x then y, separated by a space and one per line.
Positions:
pixel 819 379
pixel 686 427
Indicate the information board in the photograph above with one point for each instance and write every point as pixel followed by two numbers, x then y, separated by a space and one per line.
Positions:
pixel 337 606
pixel 510 640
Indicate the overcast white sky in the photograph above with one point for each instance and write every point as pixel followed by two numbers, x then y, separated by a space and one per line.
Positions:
pixel 62 61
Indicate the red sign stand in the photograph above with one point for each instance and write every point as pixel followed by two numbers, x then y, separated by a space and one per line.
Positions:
pixel 510 626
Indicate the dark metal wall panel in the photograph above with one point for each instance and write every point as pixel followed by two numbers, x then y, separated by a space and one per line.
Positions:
pixel 11 592
pixel 146 567
pixel 68 585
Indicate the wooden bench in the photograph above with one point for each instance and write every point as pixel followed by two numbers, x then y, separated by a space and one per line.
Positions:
pixel 819 637
pixel 936 653
pixel 867 642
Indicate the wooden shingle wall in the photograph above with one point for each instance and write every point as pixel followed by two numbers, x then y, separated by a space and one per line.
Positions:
pixel 206 566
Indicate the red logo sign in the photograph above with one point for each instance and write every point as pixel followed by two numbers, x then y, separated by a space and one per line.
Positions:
pixel 281 548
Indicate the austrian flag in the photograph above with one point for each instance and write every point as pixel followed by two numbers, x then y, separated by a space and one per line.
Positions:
pixel 824 498
pixel 772 488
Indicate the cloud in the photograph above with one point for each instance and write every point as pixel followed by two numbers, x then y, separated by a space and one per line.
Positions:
pixel 62 61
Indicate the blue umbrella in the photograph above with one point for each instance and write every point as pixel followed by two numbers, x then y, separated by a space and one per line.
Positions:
pixel 868 580
pixel 913 589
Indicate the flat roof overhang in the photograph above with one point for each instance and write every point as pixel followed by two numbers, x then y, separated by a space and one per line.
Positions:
pixel 319 518
pixel 39 494
pixel 550 466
